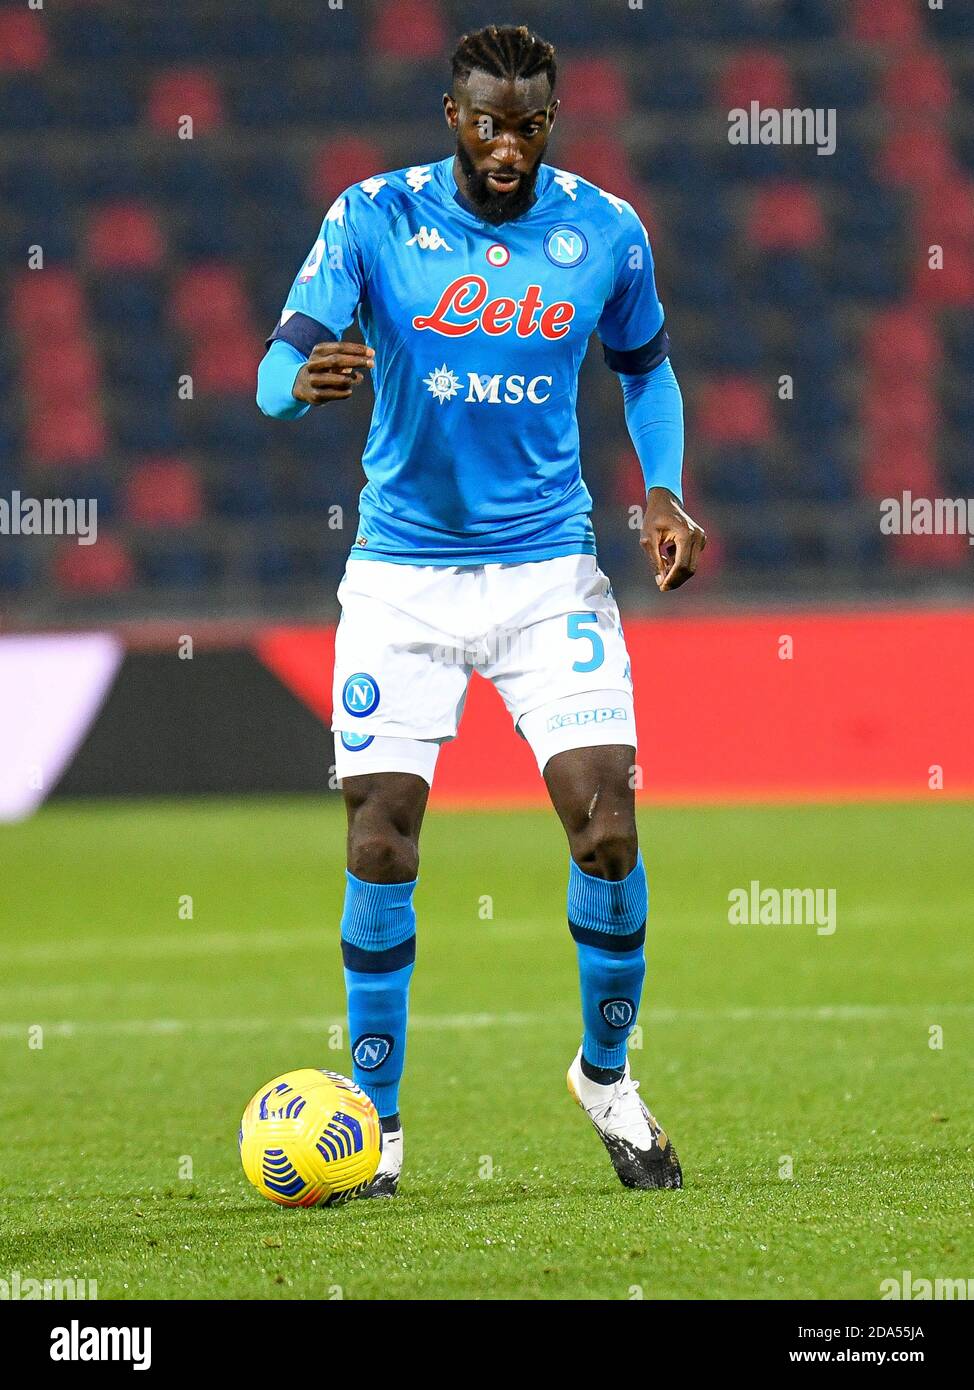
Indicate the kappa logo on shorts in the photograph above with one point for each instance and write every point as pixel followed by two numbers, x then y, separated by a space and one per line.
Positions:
pixel 360 694
pixel 354 743
pixel 587 716
pixel 371 1050
pixel 618 1013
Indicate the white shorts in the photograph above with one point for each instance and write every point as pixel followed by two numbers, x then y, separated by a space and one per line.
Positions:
pixel 546 633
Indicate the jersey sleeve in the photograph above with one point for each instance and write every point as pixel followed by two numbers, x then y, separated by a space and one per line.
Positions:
pixel 631 324
pixel 330 285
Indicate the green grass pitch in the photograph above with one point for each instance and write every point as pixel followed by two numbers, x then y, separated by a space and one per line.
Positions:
pixel 767 1050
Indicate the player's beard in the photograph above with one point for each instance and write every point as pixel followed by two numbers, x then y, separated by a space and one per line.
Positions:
pixel 497 207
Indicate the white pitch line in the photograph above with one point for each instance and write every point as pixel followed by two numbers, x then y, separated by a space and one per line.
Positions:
pixel 162 1027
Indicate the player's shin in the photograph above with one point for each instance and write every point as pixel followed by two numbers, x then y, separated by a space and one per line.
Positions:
pixel 378 949
pixel 607 919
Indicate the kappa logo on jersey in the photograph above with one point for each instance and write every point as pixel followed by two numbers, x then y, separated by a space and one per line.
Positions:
pixel 360 695
pixel 371 1050
pixel 463 307
pixel 428 239
pixel 565 246
pixel 312 264
pixel 444 385
pixel 618 1013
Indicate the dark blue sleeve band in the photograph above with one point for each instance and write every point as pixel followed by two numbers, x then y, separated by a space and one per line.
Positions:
pixel 303 333
pixel 640 360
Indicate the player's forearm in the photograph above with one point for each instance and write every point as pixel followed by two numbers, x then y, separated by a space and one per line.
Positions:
pixel 275 378
pixel 654 415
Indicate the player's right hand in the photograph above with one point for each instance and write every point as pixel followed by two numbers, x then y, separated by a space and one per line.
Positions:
pixel 332 371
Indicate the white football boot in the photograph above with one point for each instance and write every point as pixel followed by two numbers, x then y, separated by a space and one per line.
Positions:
pixel 641 1153
pixel 386 1179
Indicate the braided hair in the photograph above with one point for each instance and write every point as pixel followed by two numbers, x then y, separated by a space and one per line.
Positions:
pixel 504 50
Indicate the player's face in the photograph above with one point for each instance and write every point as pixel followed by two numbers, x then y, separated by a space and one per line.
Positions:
pixel 502 129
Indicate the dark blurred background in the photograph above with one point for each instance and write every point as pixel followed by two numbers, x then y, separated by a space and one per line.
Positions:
pixel 167 258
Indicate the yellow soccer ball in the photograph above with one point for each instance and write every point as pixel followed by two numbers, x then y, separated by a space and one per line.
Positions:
pixel 310 1138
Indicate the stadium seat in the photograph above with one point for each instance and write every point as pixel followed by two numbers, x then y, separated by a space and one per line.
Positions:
pixel 164 492
pixel 901 342
pixel 66 432
pixel 953 284
pixel 886 22
pixel 120 301
pixel 408 29
pixel 890 468
pixel 125 237
pixel 225 360
pixel 341 162
pixel 733 410
pixel 755 75
pixel 102 568
pixel 598 86
pixel 917 155
pixel 24 44
pixel 917 82
pixel 785 217
pixel 46 304
pixel 187 92
pixel 208 298
pixel 77 370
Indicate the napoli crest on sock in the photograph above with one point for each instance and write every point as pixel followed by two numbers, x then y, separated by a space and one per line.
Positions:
pixel 618 1013
pixel 372 1049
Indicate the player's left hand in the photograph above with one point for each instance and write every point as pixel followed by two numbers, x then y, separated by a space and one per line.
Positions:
pixel 671 538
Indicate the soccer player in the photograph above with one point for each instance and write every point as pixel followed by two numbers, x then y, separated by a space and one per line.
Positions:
pixel 477 282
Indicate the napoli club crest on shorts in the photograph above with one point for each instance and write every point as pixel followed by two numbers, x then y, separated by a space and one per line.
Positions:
pixel 618 1013
pixel 354 743
pixel 360 694
pixel 371 1050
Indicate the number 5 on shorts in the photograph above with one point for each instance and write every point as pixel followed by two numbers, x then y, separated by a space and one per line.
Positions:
pixel 576 621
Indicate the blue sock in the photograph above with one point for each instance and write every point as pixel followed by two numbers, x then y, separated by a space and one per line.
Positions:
pixel 378 948
pixel 607 918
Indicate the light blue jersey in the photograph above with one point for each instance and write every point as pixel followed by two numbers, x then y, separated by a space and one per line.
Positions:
pixel 479 333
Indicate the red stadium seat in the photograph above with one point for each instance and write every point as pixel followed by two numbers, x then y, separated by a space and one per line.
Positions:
pixel 207 298
pixel 24 44
pixel 598 87
pixel 917 81
pixel 602 159
pixel 895 416
pixel 891 468
pixel 785 217
pixel 409 29
pixel 125 236
pixel 187 92
pixel 901 342
pixel 77 369
pixel 226 361
pixel 67 432
pixel 886 21
pixel 46 303
pixel 341 162
pixel 757 75
pixel 948 212
pixel 164 492
pixel 934 551
pixel 102 568
pixel 733 410
pixel 952 286
pixel 918 155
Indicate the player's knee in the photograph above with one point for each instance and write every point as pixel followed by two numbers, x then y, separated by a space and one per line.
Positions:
pixel 606 849
pixel 383 855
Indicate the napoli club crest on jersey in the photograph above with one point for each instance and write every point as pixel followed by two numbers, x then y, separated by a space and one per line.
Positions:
pixel 565 246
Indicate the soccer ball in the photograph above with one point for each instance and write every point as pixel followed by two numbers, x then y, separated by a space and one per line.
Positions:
pixel 310 1138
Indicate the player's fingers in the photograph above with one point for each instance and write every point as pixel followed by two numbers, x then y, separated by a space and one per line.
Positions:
pixel 652 546
pixel 336 380
pixel 336 361
pixel 684 562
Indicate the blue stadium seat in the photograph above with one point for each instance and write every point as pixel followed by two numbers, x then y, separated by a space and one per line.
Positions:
pixel 840 82
pixel 739 475
pixel 82 33
pixel 786 281
pixel 124 301
pixel 178 567
pixel 25 104
pixel 148 426
pixel 94 105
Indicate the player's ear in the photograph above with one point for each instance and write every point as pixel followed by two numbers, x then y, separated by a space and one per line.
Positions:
pixel 450 110
pixel 553 112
